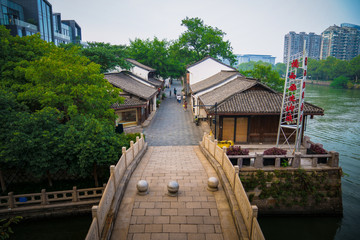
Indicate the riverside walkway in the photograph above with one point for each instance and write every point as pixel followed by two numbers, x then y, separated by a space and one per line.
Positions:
pixel 174 154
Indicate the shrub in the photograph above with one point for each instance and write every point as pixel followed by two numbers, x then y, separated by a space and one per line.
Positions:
pixel 275 151
pixel 317 149
pixel 236 150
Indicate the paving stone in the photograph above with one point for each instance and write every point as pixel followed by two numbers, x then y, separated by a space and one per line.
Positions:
pixel 201 212
pixel 214 236
pixel 174 228
pixel 153 228
pixel 177 219
pixel 196 236
pixel 169 212
pixel 147 205
pixel 194 220
pixel 203 228
pixel 152 212
pixel 178 236
pixel 141 236
pixel 138 228
pixel 159 236
pixel 161 219
pixel 138 212
pixel 145 220
pixel 188 228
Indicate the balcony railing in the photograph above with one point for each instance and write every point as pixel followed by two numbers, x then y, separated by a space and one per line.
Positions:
pixel 25 24
pixel 63 36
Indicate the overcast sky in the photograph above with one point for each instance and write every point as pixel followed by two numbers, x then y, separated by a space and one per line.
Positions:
pixel 252 26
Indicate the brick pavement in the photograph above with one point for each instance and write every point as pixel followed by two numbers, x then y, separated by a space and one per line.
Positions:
pixel 194 214
pixel 172 126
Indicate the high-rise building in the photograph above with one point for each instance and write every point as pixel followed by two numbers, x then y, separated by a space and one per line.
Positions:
pixel 26 17
pixel 244 58
pixel 340 42
pixel 296 42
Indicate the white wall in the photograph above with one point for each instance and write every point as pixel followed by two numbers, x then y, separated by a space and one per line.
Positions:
pixel 205 69
pixel 140 72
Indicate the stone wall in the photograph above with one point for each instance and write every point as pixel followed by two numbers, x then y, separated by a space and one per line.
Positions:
pixel 310 191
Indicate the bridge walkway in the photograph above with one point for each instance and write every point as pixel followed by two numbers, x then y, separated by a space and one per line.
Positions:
pixel 195 213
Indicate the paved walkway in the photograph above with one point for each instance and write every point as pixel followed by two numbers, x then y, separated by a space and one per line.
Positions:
pixel 194 214
pixel 171 124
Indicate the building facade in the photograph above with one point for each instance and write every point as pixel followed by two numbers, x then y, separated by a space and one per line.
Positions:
pixel 340 42
pixel 294 44
pixel 27 17
pixel 244 58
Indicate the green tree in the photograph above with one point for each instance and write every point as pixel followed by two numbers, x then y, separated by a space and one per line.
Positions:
pixel 340 82
pixel 153 53
pixel 266 75
pixel 354 68
pixel 106 55
pixel 201 40
pixel 281 69
pixel 49 96
pixel 5 226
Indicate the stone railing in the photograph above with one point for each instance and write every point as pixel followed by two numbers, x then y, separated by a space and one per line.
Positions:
pixel 238 197
pixel 104 214
pixel 330 159
pixel 20 201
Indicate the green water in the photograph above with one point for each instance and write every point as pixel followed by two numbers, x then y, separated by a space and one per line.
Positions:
pixel 63 228
pixel 338 130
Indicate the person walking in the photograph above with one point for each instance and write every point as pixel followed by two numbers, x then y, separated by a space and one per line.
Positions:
pixel 174 91
pixel 185 105
pixel 178 97
pixel 170 93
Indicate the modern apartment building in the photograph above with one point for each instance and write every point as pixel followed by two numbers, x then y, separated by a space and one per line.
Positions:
pixel 294 43
pixel 340 42
pixel 244 58
pixel 26 17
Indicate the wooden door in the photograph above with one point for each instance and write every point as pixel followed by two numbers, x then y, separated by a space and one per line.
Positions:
pixel 228 129
pixel 241 129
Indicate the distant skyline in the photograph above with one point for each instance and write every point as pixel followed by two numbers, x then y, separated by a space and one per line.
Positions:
pixel 252 27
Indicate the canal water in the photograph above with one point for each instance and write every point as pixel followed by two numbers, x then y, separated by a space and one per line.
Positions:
pixel 337 130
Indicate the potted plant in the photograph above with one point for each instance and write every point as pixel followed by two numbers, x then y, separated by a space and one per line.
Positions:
pixel 237 150
pixel 163 96
pixel 275 151
pixel 317 149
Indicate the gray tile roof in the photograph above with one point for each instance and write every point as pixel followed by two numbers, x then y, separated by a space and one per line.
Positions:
pixel 225 91
pixel 259 102
pixel 136 63
pixel 129 102
pixel 123 81
pixel 213 80
pixel 153 81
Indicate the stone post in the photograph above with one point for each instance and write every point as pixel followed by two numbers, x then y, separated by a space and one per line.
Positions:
pixel 314 162
pixel 74 194
pixel 259 160
pixel 215 145
pixel 255 211
pixel 277 162
pixel 224 156
pixel 11 200
pixel 124 154
pixel 236 173
pixel 240 162
pixel 137 138
pixel 112 174
pixel 334 159
pixel 94 210
pixel 132 149
pixel 306 142
pixel 297 160
pixel 43 197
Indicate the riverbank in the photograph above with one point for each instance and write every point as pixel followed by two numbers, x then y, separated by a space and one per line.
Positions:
pixel 327 83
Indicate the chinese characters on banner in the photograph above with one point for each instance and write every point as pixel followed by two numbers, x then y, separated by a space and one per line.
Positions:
pixel 295 92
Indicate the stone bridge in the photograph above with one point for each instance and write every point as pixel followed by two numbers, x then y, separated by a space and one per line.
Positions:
pixel 172 153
